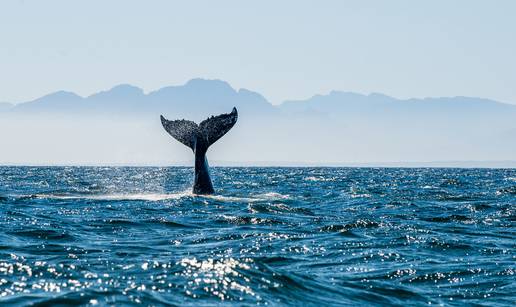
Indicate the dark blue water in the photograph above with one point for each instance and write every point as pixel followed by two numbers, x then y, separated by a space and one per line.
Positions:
pixel 271 236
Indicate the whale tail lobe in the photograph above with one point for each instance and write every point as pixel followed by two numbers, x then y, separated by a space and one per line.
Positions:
pixel 202 135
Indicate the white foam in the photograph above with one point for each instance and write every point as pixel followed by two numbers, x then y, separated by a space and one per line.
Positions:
pixel 162 196
pixel 273 195
pixel 320 178
pixel 229 198
pixel 121 196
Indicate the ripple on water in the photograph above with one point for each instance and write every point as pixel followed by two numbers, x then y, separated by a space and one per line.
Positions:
pixel 272 236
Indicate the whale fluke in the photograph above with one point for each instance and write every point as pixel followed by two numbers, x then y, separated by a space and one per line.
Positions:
pixel 185 131
pixel 199 138
pixel 216 126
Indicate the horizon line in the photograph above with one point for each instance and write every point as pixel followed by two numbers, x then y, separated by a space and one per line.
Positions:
pixel 467 164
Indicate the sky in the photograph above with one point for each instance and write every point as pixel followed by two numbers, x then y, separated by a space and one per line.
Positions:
pixel 282 49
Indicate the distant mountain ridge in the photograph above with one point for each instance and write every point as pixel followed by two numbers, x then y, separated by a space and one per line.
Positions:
pixel 217 94
pixel 124 99
pixel 121 125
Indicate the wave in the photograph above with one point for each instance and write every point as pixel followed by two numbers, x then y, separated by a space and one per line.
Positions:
pixel 156 197
pixel 270 196
pixel 117 196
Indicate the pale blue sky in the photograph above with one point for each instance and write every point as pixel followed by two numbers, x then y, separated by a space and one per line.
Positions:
pixel 282 49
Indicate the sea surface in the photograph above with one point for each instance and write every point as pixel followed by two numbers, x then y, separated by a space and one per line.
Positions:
pixel 270 236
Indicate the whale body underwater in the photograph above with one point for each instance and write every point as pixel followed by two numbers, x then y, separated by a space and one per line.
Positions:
pixel 199 138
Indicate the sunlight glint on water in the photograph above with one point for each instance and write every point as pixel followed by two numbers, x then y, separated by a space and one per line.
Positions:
pixel 75 235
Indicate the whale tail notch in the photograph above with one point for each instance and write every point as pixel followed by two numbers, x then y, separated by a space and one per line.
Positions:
pixel 207 132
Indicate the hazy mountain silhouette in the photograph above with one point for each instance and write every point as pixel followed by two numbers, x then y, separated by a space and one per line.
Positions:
pixel 376 126
pixel 195 97
pixel 121 125
pixel 208 96
pixel 61 101
pixel 460 112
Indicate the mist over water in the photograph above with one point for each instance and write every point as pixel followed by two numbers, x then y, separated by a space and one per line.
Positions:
pixel 276 236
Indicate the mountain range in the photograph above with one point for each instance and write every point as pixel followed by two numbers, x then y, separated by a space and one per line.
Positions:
pixel 121 125
pixel 209 96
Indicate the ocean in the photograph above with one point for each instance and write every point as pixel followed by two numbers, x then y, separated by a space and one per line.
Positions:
pixel 269 236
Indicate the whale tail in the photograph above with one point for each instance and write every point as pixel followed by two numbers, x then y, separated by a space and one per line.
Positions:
pixel 206 133
pixel 199 138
